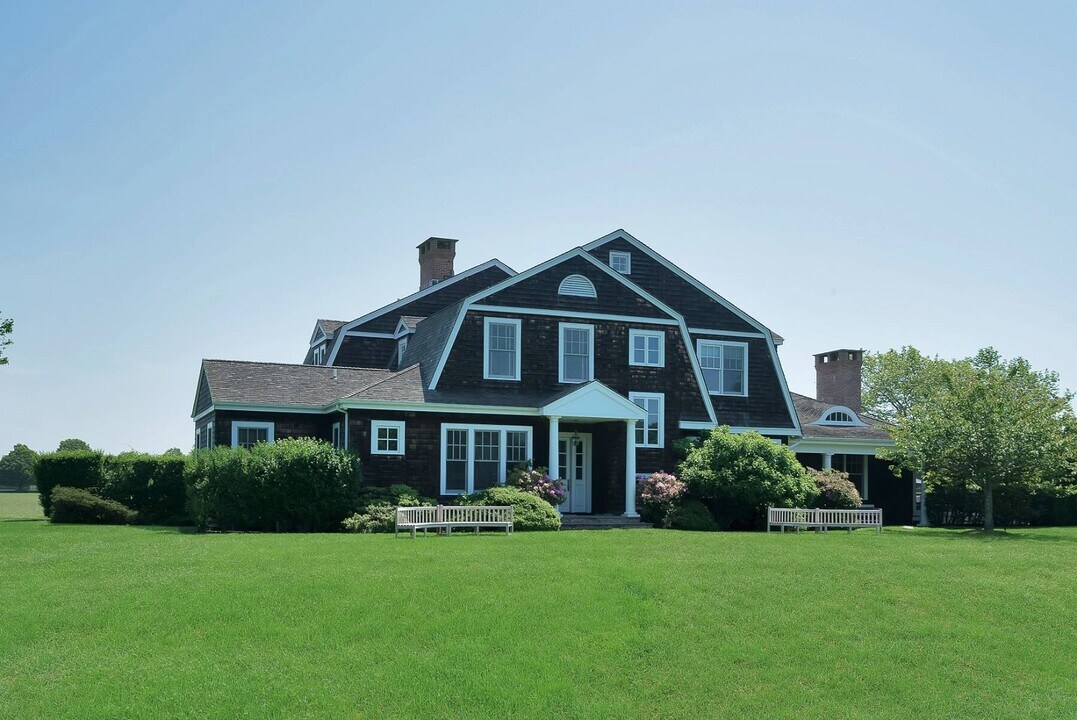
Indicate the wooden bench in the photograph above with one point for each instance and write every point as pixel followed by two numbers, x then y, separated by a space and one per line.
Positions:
pixel 446 517
pixel 822 519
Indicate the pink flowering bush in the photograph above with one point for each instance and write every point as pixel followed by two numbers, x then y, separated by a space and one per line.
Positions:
pixel 538 482
pixel 659 493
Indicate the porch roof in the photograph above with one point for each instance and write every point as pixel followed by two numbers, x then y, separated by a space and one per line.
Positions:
pixel 592 401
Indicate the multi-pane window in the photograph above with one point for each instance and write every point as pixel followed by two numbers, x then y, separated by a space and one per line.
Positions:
pixel 487 459
pixel 576 353
pixel 621 262
pixel 401 348
pixel 501 360
pixel 649 431
pixel 455 474
pixel 646 347
pixel 854 466
pixel 319 354
pixel 476 457
pixel 387 437
pixel 724 366
pixel 249 434
pixel 839 417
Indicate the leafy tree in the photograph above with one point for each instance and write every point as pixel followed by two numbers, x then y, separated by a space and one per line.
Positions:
pixel 742 474
pixel 897 380
pixel 7 325
pixel 73 445
pixel 989 424
pixel 174 451
pixel 17 468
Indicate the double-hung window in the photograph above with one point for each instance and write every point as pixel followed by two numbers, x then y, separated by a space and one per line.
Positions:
pixel 476 457
pixel 501 353
pixel 387 437
pixel 725 366
pixel 649 432
pixel 647 348
pixel 576 351
pixel 249 434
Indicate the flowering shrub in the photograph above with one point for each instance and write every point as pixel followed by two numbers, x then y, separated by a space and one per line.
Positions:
pixel 538 482
pixel 658 494
pixel 835 490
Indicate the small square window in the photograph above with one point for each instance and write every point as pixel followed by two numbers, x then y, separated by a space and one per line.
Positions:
pixel 621 262
pixel 387 437
pixel 646 348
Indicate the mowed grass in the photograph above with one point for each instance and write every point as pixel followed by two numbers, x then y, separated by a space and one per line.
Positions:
pixel 142 623
pixel 16 505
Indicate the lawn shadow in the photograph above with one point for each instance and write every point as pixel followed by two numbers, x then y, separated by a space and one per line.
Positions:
pixel 1008 534
pixel 23 519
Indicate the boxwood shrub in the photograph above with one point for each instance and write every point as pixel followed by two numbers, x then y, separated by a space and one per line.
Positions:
pixel 71 469
pixel 292 485
pixel 531 512
pixel 75 505
pixel 377 508
pixel 690 514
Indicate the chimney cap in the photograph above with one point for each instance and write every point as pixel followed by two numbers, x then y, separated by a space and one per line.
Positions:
pixel 424 243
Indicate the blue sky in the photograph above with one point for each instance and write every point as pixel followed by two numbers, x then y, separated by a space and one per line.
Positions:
pixel 190 180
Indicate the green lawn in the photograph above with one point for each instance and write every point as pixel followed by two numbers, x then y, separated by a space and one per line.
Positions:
pixel 19 505
pixel 133 622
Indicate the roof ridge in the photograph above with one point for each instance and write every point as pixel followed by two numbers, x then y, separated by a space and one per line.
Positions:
pixel 305 365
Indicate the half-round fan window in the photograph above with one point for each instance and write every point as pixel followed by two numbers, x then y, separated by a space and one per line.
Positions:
pixel 839 416
pixel 577 285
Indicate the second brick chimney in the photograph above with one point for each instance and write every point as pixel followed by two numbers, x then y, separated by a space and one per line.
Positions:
pixel 436 257
pixel 837 377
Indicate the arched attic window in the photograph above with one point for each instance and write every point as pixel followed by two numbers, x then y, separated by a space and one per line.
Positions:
pixel 578 286
pixel 839 415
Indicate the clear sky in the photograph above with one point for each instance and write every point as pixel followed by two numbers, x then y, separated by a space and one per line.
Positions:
pixel 194 180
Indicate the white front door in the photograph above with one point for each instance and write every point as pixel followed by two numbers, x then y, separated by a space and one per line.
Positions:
pixel 574 467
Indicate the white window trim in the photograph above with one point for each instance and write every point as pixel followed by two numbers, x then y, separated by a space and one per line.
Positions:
pixel 249 424
pixel 626 256
pixel 699 357
pixel 855 422
pixel 336 436
pixel 661 397
pixel 319 354
pixel 502 471
pixel 486 323
pixel 376 425
pixel 633 334
pixel 561 327
pixel 401 348
pixel 577 285
pixel 209 435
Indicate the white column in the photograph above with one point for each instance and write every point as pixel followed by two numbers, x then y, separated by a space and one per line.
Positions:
pixel 828 459
pixel 555 427
pixel 630 469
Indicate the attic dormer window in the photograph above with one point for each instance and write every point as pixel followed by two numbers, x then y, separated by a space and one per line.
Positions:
pixel 578 286
pixel 621 262
pixel 319 355
pixel 839 416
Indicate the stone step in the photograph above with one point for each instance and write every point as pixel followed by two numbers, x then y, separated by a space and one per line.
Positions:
pixel 601 522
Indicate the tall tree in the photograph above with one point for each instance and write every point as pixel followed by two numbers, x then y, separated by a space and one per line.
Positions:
pixel 896 380
pixel 72 444
pixel 17 468
pixel 989 423
pixel 7 325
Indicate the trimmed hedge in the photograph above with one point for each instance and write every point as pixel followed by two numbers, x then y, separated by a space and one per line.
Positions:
pixel 75 505
pixel 691 514
pixel 531 512
pixel 151 484
pixel 292 485
pixel 70 469
pixel 377 508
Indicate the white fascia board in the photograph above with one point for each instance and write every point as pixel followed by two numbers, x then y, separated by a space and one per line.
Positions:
pixel 728 333
pixel 572 314
pixel 781 379
pixel 436 407
pixel 198 386
pixel 595 401
pixel 411 298
pixel 839 446
pixel 318 335
pixel 202 414
pixel 267 407
pixel 698 425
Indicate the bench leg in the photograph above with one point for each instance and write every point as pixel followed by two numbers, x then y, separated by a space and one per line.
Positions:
pixel 448 529
pixel 413 533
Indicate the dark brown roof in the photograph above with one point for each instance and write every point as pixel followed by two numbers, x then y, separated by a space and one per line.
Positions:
pixel 330 326
pixel 234 381
pixel 428 342
pixel 809 410
pixel 412 320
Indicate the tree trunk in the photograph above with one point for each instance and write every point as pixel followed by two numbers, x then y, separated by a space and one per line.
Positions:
pixel 989 508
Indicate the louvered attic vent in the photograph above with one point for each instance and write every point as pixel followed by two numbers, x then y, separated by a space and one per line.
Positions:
pixel 577 285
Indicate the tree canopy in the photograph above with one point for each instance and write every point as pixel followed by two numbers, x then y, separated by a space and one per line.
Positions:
pixel 897 380
pixel 17 467
pixel 983 423
pixel 73 445
pixel 7 325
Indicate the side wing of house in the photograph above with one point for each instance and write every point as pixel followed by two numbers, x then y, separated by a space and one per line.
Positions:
pixel 723 338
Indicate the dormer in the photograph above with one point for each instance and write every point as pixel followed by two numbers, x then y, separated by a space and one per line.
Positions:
pixel 840 416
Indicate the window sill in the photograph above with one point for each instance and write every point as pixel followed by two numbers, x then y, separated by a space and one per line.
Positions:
pixel 725 394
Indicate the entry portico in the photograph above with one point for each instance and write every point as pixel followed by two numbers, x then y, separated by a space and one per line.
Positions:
pixel 591 402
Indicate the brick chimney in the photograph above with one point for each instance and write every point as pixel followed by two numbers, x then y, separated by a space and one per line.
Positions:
pixel 837 377
pixel 436 256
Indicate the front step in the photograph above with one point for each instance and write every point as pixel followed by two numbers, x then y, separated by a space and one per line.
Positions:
pixel 601 522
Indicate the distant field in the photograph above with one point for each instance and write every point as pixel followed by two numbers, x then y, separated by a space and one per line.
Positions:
pixel 20 505
pixel 100 622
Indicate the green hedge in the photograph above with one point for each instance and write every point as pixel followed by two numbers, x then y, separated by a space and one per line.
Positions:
pixel 72 469
pixel 293 485
pixel 530 511
pixel 151 484
pixel 75 505
pixel 952 505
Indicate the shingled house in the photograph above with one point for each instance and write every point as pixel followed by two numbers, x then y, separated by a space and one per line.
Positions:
pixel 593 362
